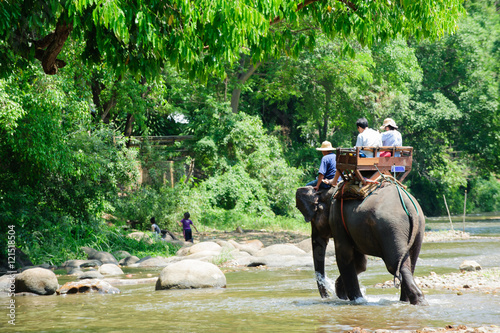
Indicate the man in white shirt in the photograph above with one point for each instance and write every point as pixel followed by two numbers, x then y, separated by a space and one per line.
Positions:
pixel 367 137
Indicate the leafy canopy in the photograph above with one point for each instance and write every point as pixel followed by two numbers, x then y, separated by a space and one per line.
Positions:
pixel 199 37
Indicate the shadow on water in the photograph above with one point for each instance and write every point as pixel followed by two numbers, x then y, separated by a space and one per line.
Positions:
pixel 274 300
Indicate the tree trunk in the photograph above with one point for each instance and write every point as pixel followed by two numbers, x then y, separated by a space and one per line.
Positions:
pixel 242 79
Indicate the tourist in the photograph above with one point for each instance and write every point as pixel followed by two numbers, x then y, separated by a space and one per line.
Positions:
pixel 367 137
pixel 391 137
pixel 327 168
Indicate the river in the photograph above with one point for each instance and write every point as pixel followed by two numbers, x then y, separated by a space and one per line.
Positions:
pixel 281 300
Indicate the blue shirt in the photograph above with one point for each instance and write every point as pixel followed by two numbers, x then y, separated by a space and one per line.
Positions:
pixel 328 166
pixel 392 139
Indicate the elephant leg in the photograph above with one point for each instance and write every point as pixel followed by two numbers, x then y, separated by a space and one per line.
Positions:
pixel 360 266
pixel 319 245
pixel 411 264
pixel 346 262
pixel 359 262
pixel 409 289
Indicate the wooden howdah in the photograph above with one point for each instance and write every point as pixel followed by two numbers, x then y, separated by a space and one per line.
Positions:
pixel 368 169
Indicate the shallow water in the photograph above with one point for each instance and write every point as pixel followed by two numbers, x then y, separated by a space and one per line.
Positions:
pixel 276 300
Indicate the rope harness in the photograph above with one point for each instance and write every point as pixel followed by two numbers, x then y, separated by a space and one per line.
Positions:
pixel 385 178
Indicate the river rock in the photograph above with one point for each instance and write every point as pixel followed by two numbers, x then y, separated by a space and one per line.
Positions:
pixel 128 261
pixel 73 266
pixel 191 274
pixel 470 266
pixel 205 246
pixel 85 275
pixel 7 283
pixel 141 236
pixel 277 260
pixel 254 243
pixel 153 262
pixel 102 256
pixel 306 245
pixel 248 248
pixel 37 280
pixel 87 286
pixel 280 249
pixel 110 269
pixel 121 254
pixel 143 259
pixel 225 244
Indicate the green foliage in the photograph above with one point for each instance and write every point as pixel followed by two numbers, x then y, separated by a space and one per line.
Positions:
pixel 63 240
pixel 200 37
pixel 164 203
pixel 54 166
pixel 485 196
pixel 246 164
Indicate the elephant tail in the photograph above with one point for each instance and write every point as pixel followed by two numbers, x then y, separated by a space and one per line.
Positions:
pixel 413 220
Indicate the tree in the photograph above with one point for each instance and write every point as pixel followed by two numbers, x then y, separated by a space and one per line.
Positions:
pixel 200 37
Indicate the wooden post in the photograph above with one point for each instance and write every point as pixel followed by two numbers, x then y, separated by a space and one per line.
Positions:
pixel 171 174
pixel 449 216
pixel 465 205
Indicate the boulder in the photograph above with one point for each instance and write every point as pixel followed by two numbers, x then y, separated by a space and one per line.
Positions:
pixel 470 266
pixel 255 243
pixel 191 274
pixel 73 266
pixel 141 236
pixel 110 269
pixel 306 245
pixel 143 259
pixel 204 255
pixel 121 254
pixel 205 246
pixel 102 256
pixel 7 283
pixel 153 262
pixel 183 251
pixel 280 249
pixel 128 261
pixel 87 286
pixel 248 248
pixel 84 275
pixel 225 244
pixel 37 280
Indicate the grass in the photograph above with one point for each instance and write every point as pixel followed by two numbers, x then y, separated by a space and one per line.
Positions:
pixel 56 245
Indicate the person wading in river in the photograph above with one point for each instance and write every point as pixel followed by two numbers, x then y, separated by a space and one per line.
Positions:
pixel 186 224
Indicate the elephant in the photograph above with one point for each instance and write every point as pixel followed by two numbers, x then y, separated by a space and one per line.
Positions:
pixel 388 223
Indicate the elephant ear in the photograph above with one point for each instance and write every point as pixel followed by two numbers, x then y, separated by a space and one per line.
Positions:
pixel 306 200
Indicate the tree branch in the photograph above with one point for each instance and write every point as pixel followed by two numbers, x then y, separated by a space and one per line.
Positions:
pixel 53 44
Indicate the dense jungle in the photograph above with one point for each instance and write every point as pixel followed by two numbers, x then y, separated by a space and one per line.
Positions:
pixel 111 120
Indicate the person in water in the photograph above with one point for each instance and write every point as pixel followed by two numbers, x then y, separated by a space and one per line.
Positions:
pixel 186 224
